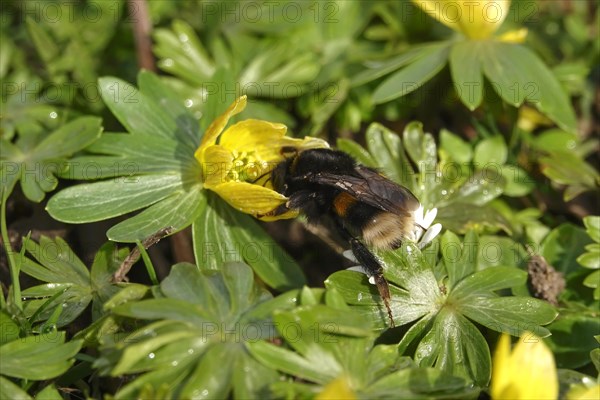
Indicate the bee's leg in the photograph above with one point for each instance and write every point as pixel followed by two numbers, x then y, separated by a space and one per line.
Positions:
pixel 279 210
pixel 371 264
pixel 299 200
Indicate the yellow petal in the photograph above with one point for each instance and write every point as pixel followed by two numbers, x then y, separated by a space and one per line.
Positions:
pixel 217 162
pixel 245 135
pixel 251 199
pixel 528 372
pixel 338 389
pixel 265 139
pixel 501 367
pixel 514 36
pixel 216 127
pixel 534 368
pixel 475 19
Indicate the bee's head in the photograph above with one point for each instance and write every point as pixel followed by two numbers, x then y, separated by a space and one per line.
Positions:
pixel 279 176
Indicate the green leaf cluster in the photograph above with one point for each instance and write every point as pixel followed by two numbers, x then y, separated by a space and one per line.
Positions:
pixel 442 300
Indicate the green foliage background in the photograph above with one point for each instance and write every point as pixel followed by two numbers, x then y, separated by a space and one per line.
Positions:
pixel 86 136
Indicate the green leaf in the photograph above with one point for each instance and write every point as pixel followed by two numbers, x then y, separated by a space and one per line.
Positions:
pixel 461 259
pixel 48 393
pixel 465 66
pixel 138 113
pixel 69 288
pixel 455 346
pixel 500 251
pixel 9 330
pixel 69 138
pixel 251 377
pixel 9 390
pixel 102 200
pixel 378 69
pixel 490 151
pixel 222 234
pixel 456 148
pixel 572 339
pixel 412 383
pixel 412 76
pixel 60 264
pixel 290 362
pixel 461 218
pixel 187 57
pixel 173 309
pixel 106 262
pixel 567 168
pixel 513 315
pixel 204 319
pixel 44 44
pixel 187 126
pixel 593 281
pixel 481 188
pixel 37 164
pixel 39 357
pixel 421 148
pixel 356 151
pixel 517 74
pixel 174 211
pixel 562 246
pixel 489 280
pixel 204 382
pixel 385 146
pixel 592 227
pixel 590 259
pixel 518 181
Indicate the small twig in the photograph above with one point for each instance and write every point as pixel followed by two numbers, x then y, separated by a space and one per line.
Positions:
pixel 142 27
pixel 134 255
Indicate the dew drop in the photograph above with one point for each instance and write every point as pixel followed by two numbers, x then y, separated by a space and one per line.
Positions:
pixel 151 356
pixel 53 115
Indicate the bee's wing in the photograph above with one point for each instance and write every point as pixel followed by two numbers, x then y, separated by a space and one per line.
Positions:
pixel 372 188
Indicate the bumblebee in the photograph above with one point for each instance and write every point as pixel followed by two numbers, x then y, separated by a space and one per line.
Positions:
pixel 367 208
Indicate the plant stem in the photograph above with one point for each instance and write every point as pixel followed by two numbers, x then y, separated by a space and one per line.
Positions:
pixel 14 268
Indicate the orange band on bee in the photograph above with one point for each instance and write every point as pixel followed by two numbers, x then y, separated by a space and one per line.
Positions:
pixel 342 203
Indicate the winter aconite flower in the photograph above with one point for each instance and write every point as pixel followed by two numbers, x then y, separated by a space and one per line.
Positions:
pixel 233 159
pixel 528 372
pixel 475 19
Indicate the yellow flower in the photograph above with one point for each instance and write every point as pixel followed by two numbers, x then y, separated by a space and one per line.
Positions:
pixel 337 389
pixel 234 160
pixel 528 372
pixel 475 19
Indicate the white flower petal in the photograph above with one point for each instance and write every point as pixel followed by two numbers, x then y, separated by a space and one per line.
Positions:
pixel 362 270
pixel 349 255
pixel 429 217
pixel 418 215
pixel 358 268
pixel 430 234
